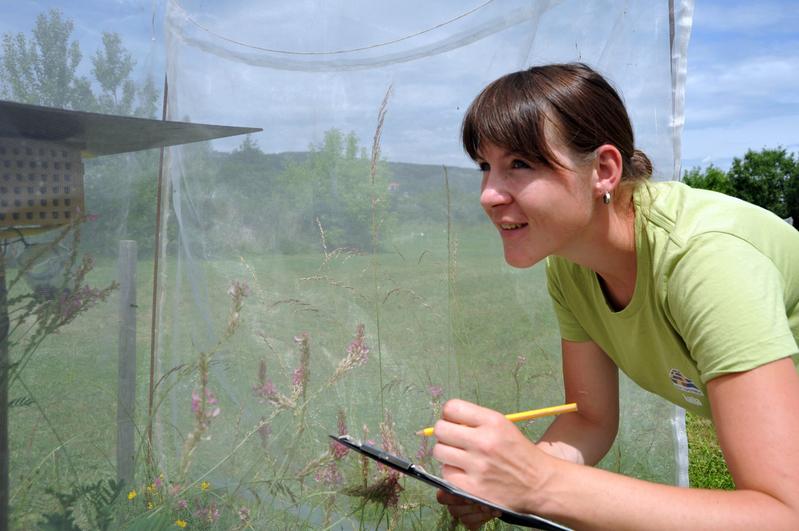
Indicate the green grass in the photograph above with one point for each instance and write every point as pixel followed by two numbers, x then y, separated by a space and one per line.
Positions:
pixel 706 465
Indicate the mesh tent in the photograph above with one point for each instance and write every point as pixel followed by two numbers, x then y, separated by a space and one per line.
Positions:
pixel 332 273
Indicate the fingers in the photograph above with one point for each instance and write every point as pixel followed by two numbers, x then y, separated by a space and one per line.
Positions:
pixel 471 514
pixel 460 422
pixel 465 413
pixel 450 451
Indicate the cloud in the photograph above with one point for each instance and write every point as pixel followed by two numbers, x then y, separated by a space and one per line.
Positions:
pixel 718 144
pixel 743 70
pixel 731 17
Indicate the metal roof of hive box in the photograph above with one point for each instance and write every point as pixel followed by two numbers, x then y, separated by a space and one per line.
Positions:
pixel 41 171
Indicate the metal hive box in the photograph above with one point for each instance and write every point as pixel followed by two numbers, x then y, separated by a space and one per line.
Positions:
pixel 41 185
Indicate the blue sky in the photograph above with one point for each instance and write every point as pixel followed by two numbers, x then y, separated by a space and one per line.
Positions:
pixel 743 80
pixel 743 65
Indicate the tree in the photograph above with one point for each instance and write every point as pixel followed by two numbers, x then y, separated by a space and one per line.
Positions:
pixel 332 191
pixel 767 178
pixel 112 68
pixel 41 70
pixel 711 178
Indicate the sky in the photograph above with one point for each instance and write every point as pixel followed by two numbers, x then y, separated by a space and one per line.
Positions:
pixel 741 91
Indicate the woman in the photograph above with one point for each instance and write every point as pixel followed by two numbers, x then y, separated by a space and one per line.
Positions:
pixel 693 294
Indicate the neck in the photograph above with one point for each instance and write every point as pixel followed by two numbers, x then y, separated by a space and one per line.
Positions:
pixel 608 249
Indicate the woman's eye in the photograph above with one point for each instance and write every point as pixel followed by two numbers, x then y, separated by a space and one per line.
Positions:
pixel 517 164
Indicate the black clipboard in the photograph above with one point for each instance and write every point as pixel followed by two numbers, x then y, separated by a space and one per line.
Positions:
pixel 415 471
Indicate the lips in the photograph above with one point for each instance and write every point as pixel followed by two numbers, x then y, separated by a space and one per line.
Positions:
pixel 511 226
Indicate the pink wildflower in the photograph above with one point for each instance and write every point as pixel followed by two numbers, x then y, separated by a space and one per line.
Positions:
pixel 196 403
pixel 358 350
pixel 435 391
pixel 202 411
pixel 244 514
pixel 425 451
pixel 298 376
pixel 357 355
pixel 336 448
pixel 329 475
pixel 210 514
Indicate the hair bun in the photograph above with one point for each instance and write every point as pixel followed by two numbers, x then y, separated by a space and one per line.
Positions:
pixel 641 165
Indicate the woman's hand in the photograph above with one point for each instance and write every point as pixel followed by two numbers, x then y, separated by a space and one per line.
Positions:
pixel 472 515
pixel 484 454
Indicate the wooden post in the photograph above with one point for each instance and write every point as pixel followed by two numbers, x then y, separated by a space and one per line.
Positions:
pixel 126 390
pixel 4 382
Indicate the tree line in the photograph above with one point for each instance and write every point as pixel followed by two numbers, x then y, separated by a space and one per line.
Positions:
pixel 768 178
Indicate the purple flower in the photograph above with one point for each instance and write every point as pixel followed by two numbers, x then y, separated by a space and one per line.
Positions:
pixel 209 514
pixel 424 451
pixel 267 390
pixel 298 376
pixel 337 449
pixel 197 405
pixel 329 475
pixel 358 350
pixel 436 391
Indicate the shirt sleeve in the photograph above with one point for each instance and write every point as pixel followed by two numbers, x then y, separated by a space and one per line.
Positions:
pixel 570 329
pixel 726 300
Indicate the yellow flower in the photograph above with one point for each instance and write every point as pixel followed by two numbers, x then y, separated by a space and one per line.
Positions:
pixel 181 523
pixel 149 505
pixel 132 494
pixel 151 488
pixel 205 485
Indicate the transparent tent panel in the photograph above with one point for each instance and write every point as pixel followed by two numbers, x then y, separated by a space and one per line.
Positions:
pixel 332 273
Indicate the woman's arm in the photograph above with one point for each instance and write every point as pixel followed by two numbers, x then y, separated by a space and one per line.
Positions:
pixel 755 414
pixel 591 379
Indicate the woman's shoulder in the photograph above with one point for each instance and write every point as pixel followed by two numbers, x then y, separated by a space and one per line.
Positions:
pixel 686 213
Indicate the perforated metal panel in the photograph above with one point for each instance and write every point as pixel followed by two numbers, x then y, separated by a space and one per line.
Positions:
pixel 41 185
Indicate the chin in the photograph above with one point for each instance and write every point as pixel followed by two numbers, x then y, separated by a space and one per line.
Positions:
pixel 521 262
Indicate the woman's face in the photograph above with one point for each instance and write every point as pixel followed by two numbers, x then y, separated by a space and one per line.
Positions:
pixel 538 211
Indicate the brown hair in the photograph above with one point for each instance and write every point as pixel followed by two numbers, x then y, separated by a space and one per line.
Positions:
pixel 517 110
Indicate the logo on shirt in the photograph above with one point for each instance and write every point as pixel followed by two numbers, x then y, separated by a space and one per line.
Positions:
pixel 683 383
pixel 692 400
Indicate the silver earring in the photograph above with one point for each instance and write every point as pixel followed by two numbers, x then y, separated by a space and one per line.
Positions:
pixel 606 197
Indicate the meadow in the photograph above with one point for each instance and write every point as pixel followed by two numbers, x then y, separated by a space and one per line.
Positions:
pixel 249 383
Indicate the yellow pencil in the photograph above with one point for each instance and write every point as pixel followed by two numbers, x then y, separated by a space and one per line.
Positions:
pixel 524 415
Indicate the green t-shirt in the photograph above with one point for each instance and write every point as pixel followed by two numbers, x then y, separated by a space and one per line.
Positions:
pixel 717 291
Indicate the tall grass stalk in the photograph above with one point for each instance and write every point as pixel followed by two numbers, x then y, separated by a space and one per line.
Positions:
pixel 381 116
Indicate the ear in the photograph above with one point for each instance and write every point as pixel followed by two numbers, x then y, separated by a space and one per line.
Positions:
pixel 607 168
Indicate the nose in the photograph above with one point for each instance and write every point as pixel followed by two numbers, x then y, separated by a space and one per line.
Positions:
pixel 493 193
